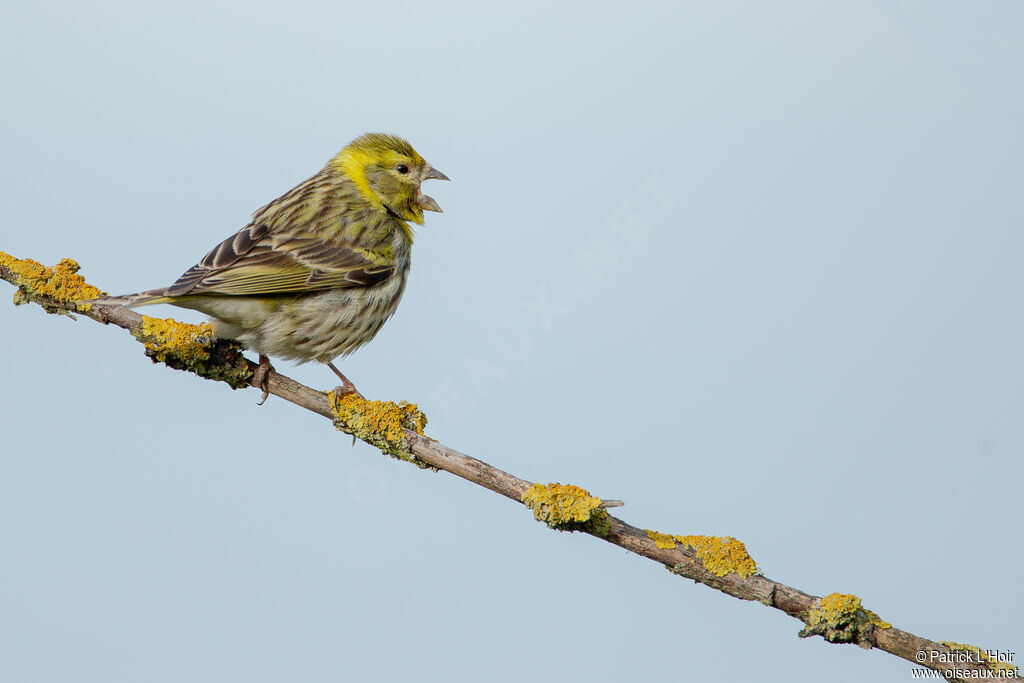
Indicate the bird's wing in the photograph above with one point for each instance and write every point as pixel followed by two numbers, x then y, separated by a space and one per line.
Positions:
pixel 255 262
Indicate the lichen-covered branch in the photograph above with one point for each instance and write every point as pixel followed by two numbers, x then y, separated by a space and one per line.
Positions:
pixel 398 430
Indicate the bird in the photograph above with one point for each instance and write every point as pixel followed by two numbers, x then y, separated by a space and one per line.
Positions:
pixel 318 271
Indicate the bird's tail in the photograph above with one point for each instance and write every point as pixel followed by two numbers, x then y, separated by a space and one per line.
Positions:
pixel 147 298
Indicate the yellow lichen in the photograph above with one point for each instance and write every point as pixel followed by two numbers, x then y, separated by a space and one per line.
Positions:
pixel 167 337
pixel 379 423
pixel 1009 670
pixel 661 540
pixel 186 347
pixel 62 283
pixel 840 618
pixel 875 619
pixel 720 555
pixel 833 608
pixel 567 508
pixel 194 348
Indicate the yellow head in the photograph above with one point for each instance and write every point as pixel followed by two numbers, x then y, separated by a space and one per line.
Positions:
pixel 388 172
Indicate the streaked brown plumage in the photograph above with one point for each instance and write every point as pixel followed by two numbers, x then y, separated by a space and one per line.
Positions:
pixel 319 270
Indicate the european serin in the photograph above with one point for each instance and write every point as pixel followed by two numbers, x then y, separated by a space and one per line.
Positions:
pixel 319 270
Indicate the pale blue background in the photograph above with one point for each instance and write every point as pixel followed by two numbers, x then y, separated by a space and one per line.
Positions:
pixel 815 347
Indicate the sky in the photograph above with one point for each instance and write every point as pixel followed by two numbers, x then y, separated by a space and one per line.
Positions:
pixel 752 268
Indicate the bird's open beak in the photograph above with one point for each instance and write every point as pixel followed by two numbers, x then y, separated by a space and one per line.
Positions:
pixel 427 203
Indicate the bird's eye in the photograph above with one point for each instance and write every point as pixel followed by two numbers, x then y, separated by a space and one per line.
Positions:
pixel 402 168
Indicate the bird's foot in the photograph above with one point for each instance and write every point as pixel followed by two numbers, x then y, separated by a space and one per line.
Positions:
pixel 345 389
pixel 346 384
pixel 260 378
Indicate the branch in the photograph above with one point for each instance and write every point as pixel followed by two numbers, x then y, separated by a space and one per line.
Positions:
pixel 397 429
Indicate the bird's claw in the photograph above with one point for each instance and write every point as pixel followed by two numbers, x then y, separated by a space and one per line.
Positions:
pixel 260 378
pixel 346 384
pixel 345 390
